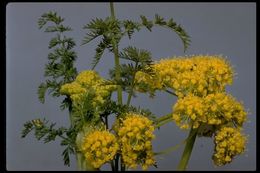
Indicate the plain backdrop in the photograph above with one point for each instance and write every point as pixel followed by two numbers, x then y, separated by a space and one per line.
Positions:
pixel 227 29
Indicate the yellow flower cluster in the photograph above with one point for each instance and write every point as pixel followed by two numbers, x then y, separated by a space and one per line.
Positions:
pixel 229 142
pixel 188 110
pixel 88 81
pixel 199 82
pixel 224 108
pixel 213 109
pixel 99 147
pixel 147 83
pixel 199 75
pixel 135 135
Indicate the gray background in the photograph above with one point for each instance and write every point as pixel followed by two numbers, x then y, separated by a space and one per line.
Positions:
pixel 215 28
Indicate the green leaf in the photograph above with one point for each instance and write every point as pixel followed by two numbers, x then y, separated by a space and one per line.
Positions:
pixel 58 28
pixel 28 127
pixel 146 23
pixel 176 28
pixel 41 92
pixel 159 20
pixel 137 55
pixel 105 43
pixel 130 27
pixel 54 41
pixel 97 28
pixel 49 17
pixel 66 157
pixel 60 67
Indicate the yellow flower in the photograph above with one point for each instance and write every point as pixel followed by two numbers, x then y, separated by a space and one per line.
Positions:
pixel 213 109
pixel 99 147
pixel 199 75
pixel 187 109
pixel 229 142
pixel 135 135
pixel 88 83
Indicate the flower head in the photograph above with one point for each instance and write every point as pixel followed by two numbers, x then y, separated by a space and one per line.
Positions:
pixel 214 109
pixel 86 84
pixel 199 75
pixel 229 142
pixel 99 147
pixel 136 134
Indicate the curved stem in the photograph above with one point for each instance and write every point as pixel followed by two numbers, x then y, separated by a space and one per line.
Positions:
pixel 188 149
pixel 166 151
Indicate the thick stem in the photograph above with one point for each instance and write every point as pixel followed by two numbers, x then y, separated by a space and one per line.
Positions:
pixel 117 74
pixel 187 150
pixel 82 164
pixel 112 165
pixel 122 165
pixel 117 63
pixel 117 162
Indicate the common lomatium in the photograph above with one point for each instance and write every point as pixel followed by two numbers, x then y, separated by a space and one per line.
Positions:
pixel 99 147
pixel 213 109
pixel 88 81
pixel 135 136
pixel 199 75
pixel 229 142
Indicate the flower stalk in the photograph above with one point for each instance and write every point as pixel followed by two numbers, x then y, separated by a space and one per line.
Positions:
pixel 188 149
pixel 117 63
pixel 117 76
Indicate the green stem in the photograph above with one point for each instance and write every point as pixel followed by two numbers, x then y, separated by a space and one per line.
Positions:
pixel 112 165
pixel 132 87
pixel 78 158
pixel 165 117
pixel 115 49
pixel 116 161
pixel 168 150
pixel 84 165
pixel 170 92
pixel 162 123
pixel 117 74
pixel 122 165
pixel 106 122
pixel 188 149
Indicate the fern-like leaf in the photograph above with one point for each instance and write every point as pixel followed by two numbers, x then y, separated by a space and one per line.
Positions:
pixel 41 92
pixel 148 24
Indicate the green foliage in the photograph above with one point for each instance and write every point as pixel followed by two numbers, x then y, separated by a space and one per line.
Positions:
pixel 171 24
pixel 41 92
pixel 60 70
pixel 120 110
pixel 145 22
pixel 130 27
pixel 48 133
pixel 42 129
pixel 60 67
pixel 49 17
pixel 139 56
pixel 140 60
pixel 66 154
pixel 112 30
pixel 127 72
